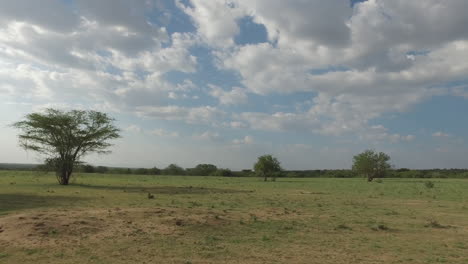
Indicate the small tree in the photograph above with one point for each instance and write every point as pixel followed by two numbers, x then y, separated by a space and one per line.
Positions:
pixel 173 169
pixel 204 169
pixel 222 172
pixel 65 137
pixel 154 171
pixel 87 168
pixel 267 166
pixel 371 164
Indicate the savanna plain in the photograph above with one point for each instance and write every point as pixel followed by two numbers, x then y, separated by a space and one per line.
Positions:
pixel 102 218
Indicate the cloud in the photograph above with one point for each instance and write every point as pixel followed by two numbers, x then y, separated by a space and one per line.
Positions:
pixel 234 97
pixel 440 134
pixel 163 133
pixel 154 132
pixel 381 57
pixel 208 136
pixel 243 141
pixel 278 121
pixel 51 14
pixel 235 124
pixel 461 90
pixel 377 57
pixel 380 133
pixel 133 128
pixel 303 22
pixel 215 20
pixel 103 54
pixel 197 115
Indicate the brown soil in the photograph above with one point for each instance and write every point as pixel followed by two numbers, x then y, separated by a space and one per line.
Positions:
pixel 46 228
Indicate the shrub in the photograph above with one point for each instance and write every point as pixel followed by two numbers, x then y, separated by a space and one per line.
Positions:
pixel 88 168
pixel 101 169
pixel 429 184
pixel 140 171
pixel 222 172
pixel 154 171
pixel 173 169
pixel 204 169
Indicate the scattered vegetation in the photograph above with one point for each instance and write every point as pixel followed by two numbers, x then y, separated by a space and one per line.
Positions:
pixel 429 184
pixel 205 219
pixel 173 169
pixel 338 173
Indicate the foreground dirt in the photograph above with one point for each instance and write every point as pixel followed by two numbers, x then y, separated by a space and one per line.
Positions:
pixel 52 235
pixel 46 228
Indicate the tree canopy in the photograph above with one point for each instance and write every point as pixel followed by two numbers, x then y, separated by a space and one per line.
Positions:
pixel 64 137
pixel 371 164
pixel 267 166
pixel 203 170
pixel 173 169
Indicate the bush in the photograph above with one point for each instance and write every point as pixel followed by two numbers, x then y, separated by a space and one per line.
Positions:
pixel 120 171
pixel 154 171
pixel 173 169
pixel 140 171
pixel 101 169
pixel 222 172
pixel 429 184
pixel 88 168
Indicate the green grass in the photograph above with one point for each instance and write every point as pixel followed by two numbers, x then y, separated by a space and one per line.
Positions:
pixel 109 219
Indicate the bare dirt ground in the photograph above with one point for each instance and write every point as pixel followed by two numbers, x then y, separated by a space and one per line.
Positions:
pixel 50 227
pixel 53 232
pixel 46 228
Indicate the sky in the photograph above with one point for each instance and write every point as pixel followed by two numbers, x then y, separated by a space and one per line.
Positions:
pixel 311 82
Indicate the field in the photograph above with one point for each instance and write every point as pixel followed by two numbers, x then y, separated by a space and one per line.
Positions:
pixel 115 219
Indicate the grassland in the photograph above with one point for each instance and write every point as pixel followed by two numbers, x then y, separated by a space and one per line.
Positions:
pixel 111 219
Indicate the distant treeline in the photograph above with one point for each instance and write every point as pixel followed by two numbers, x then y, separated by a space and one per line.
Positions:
pixel 397 173
pixel 212 170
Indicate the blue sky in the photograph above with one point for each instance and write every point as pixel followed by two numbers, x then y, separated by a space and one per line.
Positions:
pixel 224 81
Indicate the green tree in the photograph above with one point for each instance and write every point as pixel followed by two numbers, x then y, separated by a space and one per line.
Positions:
pixel 65 137
pixel 101 169
pixel 87 168
pixel 173 169
pixel 371 164
pixel 154 171
pixel 141 171
pixel 204 169
pixel 222 172
pixel 267 166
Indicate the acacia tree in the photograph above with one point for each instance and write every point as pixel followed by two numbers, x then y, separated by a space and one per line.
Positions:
pixel 65 137
pixel 371 164
pixel 267 166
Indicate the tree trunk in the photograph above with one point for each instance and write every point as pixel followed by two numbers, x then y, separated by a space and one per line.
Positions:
pixel 63 177
pixel 265 178
pixel 64 174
